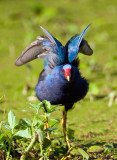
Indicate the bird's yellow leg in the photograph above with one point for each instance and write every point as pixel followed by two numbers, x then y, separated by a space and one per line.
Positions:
pixel 63 122
pixel 47 126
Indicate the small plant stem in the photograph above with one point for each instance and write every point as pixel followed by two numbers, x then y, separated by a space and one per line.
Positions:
pixel 25 153
pixel 9 149
pixel 41 148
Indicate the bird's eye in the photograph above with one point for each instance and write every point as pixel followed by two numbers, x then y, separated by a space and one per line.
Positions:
pixel 62 70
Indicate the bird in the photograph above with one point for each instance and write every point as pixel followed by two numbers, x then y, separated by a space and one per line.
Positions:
pixel 60 82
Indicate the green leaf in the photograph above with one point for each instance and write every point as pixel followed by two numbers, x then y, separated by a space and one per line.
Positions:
pixel 48 114
pixel 53 110
pixel 50 129
pixel 42 115
pixel 25 122
pixel 24 133
pixel 7 126
pixel 35 122
pixel 40 123
pixel 36 107
pixel 33 105
pixel 53 122
pixel 95 149
pixel 47 143
pixel 47 105
pixel 3 135
pixel 12 120
pixel 83 153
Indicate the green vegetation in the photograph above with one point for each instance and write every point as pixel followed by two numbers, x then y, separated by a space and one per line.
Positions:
pixel 31 138
pixel 92 122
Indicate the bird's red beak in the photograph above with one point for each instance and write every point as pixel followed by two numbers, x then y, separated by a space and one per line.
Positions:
pixel 68 74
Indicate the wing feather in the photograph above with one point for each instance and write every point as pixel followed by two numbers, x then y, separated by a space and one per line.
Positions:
pixel 35 50
pixel 46 48
pixel 77 44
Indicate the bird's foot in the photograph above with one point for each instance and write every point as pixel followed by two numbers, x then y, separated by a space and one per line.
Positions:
pixel 67 142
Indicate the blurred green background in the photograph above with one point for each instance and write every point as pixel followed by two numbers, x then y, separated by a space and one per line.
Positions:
pixel 19 26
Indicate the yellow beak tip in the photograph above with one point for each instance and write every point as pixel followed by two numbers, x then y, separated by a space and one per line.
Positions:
pixel 68 78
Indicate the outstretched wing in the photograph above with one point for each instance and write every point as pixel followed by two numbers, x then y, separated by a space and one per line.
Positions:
pixel 78 44
pixel 46 48
pixel 35 50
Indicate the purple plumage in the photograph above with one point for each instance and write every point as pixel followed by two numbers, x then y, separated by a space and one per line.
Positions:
pixel 58 90
pixel 60 82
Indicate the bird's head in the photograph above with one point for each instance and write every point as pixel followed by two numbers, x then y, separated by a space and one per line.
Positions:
pixel 67 71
